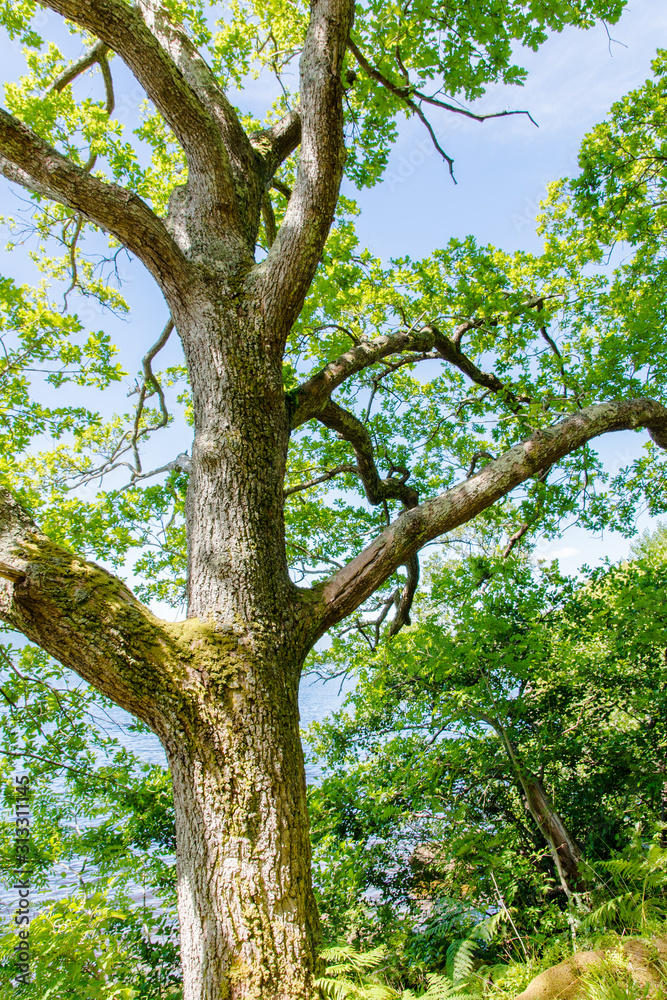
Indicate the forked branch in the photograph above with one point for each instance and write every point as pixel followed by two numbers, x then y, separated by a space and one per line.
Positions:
pixel 176 79
pixel 376 489
pixel 347 589
pixel 413 98
pixel 311 397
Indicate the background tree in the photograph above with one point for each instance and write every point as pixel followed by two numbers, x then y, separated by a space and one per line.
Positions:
pixel 494 754
pixel 276 308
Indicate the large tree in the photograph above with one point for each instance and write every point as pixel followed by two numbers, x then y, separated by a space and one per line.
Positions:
pixel 276 310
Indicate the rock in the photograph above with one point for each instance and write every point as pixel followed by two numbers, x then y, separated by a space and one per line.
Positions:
pixel 645 960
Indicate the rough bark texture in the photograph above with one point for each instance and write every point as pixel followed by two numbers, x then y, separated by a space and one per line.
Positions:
pixel 249 923
pixel 220 689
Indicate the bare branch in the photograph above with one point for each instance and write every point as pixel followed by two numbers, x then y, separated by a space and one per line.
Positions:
pixel 94 55
pixel 402 616
pixel 324 478
pixel 347 589
pixel 514 539
pixel 150 382
pixel 28 160
pixel 103 62
pixel 411 96
pixel 524 528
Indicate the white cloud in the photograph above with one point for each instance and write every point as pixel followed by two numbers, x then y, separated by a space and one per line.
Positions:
pixel 565 553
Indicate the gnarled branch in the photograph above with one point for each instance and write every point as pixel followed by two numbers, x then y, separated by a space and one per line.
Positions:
pixel 313 395
pixel 378 491
pixel 348 588
pixel 352 430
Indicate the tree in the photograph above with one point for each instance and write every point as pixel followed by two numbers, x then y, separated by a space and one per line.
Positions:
pixel 511 730
pixel 266 336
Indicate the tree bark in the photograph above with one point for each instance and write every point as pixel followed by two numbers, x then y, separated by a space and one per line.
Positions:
pixel 563 847
pixel 249 923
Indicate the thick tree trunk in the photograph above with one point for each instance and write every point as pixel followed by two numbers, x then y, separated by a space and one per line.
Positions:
pixel 249 924
pixel 236 538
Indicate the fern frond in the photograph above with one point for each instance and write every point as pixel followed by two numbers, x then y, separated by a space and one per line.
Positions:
pixel 460 959
pixel 348 959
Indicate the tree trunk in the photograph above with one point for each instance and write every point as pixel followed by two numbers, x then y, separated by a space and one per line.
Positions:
pixel 562 845
pixel 249 924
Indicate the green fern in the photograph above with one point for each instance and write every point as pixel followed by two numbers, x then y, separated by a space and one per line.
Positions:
pixel 642 899
pixel 353 975
pixel 461 958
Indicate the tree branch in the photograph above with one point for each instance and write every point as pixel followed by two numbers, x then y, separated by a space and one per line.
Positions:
pixel 151 383
pixel 81 615
pixel 275 144
pixel 375 488
pixel 348 588
pixel 402 616
pixel 378 491
pixel 281 281
pixel 324 478
pixel 28 160
pixel 310 398
pixel 181 86
pixel 408 93
pixel 94 55
pixel 313 395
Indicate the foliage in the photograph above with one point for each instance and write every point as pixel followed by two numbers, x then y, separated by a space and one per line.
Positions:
pixel 98 810
pixel 421 416
pixel 636 891
pixel 98 947
pixel 355 975
pixel 423 800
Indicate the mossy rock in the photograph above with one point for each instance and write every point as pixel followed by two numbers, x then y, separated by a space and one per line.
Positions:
pixel 642 962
